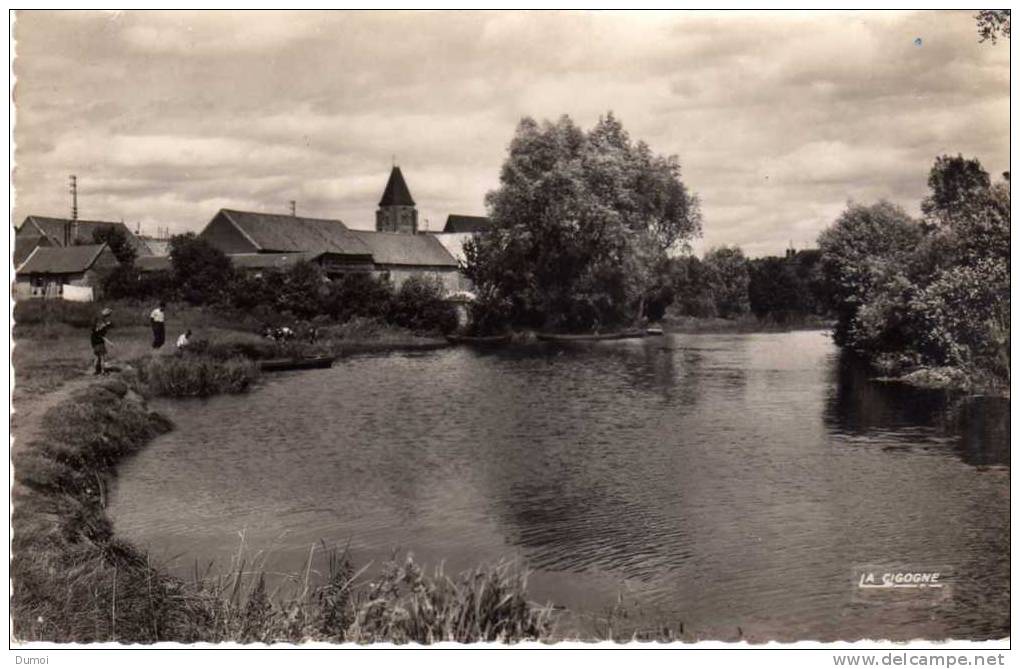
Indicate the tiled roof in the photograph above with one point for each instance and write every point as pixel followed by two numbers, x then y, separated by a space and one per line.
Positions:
pixel 53 228
pixel 459 223
pixel 396 192
pixel 25 244
pixel 61 259
pixel 288 234
pixel 392 248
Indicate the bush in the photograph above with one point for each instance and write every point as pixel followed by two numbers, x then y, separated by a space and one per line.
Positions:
pixel 127 282
pixel 420 306
pixel 201 272
pixel 357 294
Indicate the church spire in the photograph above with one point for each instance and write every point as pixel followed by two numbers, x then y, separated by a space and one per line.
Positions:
pixel 396 193
pixel 396 212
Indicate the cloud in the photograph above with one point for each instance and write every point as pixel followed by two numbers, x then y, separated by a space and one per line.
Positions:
pixel 778 118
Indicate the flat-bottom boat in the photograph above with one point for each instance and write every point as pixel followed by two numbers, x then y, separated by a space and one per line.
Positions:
pixel 627 334
pixel 285 364
pixel 491 340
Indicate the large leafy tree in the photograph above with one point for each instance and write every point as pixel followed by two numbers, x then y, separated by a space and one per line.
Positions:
pixel 201 272
pixel 580 222
pixel 727 267
pixel 867 250
pixel 117 239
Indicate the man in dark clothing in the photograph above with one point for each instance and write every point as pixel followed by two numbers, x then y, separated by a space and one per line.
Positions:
pixel 158 320
pixel 98 338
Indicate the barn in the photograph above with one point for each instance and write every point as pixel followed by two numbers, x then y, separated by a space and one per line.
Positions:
pixel 49 270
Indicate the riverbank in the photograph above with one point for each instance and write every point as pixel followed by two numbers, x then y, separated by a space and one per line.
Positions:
pixel 744 325
pixel 75 580
pixel 51 339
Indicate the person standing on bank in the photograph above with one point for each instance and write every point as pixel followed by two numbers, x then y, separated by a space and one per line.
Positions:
pixel 158 320
pixel 98 339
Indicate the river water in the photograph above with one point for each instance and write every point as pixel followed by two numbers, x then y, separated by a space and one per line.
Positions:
pixel 734 483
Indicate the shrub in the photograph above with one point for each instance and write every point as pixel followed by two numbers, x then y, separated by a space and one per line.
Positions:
pixel 420 306
pixel 358 294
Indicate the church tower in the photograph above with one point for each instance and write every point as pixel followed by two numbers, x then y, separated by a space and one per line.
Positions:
pixel 396 212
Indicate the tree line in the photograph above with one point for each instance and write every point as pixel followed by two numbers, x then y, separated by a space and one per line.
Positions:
pixel 930 291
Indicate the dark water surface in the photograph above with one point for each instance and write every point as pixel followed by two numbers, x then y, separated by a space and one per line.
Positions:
pixel 723 481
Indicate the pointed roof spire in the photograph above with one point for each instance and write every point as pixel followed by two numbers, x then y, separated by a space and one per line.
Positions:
pixel 396 193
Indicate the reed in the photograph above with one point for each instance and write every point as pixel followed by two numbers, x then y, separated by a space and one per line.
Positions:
pixel 196 375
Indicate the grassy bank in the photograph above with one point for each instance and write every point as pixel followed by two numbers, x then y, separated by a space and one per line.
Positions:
pixel 74 580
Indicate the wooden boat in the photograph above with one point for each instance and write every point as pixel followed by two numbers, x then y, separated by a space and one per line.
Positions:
pixel 285 364
pixel 562 338
pixel 491 340
pixel 654 332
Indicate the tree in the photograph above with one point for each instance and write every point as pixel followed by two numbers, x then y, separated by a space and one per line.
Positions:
pixel 116 238
pixel 727 269
pixel 580 220
pixel 956 183
pixel 992 23
pixel 202 273
pixel 865 250
pixel 693 286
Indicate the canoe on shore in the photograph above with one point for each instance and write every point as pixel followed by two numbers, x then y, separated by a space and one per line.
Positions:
pixel 492 340
pixel 285 364
pixel 628 334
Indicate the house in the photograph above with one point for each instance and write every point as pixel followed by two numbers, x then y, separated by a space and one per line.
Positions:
pixel 394 250
pixel 244 262
pixel 49 269
pixel 458 230
pixel 37 231
pixel 459 223
pixel 398 256
pixel 326 242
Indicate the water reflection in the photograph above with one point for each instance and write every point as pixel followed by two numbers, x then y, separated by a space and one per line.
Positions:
pixel 896 417
pixel 722 480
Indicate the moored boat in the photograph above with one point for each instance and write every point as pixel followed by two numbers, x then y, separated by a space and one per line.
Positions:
pixel 285 364
pixel 491 340
pixel 627 334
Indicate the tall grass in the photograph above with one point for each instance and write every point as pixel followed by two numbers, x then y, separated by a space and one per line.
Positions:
pixel 196 375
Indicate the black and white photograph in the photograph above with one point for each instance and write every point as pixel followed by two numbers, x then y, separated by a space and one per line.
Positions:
pixel 510 329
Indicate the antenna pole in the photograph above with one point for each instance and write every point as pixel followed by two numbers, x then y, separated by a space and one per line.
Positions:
pixel 74 197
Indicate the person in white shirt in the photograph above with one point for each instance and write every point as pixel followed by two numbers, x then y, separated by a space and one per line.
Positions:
pixel 184 340
pixel 158 321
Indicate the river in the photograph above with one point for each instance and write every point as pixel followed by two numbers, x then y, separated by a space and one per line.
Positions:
pixel 734 483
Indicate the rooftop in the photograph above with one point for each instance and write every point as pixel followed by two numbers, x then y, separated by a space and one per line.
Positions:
pixel 61 259
pixel 287 234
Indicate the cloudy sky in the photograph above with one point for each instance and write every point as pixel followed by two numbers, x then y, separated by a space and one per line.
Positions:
pixel 778 118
